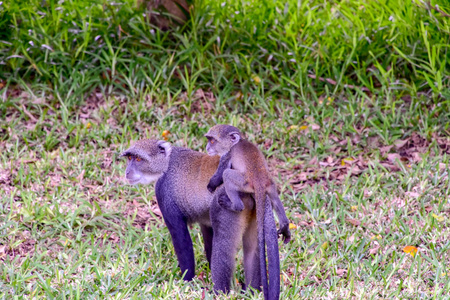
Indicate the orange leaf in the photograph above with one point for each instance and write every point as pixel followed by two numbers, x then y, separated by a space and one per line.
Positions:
pixel 165 134
pixel 411 250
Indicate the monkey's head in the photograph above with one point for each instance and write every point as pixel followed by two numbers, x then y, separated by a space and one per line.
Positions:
pixel 221 138
pixel 147 161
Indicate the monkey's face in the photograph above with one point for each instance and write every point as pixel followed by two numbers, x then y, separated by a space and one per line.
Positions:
pixel 147 161
pixel 221 138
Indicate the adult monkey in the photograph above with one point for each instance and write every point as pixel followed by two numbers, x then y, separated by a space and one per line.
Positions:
pixel 243 171
pixel 182 176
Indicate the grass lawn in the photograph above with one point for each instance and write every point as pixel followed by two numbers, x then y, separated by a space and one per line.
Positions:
pixel 349 101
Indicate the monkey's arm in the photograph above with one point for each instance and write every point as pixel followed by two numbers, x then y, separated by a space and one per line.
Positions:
pixel 217 178
pixel 282 218
pixel 279 210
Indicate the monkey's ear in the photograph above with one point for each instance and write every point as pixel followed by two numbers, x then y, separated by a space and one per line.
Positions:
pixel 235 137
pixel 164 147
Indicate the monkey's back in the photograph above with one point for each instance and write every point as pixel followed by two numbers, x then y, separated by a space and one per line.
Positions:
pixel 185 183
pixel 249 160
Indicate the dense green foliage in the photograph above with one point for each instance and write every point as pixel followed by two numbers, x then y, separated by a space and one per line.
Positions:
pixel 380 45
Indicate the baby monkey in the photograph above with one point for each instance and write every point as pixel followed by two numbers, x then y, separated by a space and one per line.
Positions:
pixel 243 171
pixel 242 168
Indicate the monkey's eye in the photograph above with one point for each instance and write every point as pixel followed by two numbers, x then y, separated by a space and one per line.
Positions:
pixel 129 157
pixel 212 141
pixel 138 159
pixel 162 149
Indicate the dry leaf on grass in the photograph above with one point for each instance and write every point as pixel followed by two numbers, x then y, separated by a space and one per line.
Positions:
pixel 353 222
pixel 340 272
pixel 374 250
pixel 411 250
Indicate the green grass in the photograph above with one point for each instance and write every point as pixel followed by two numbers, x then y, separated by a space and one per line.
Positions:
pixel 349 100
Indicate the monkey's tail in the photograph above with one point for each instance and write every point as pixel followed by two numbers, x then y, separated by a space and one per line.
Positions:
pixel 267 235
pixel 273 256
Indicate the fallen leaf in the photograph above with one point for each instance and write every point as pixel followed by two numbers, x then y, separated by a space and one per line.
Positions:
pixel 165 134
pixel 400 143
pixel 354 208
pixel 304 223
pixel 438 218
pixel 315 127
pixel 347 160
pixel 340 272
pixel 256 79
pixel 353 222
pixel 325 246
pixel 413 194
pixel 392 157
pixel 411 250
pixel 374 250
pixel 385 149
pixel 292 226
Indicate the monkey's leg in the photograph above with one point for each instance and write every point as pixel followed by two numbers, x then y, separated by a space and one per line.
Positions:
pixel 181 238
pixel 272 193
pixel 234 183
pixel 227 234
pixel 252 269
pixel 207 233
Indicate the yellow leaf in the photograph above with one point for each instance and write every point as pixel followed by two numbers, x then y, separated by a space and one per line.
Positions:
pixel 88 125
pixel 292 226
pixel 438 218
pixel 378 237
pixel 165 134
pixel 292 127
pixel 304 127
pixel 239 96
pixel 354 208
pixel 256 79
pixel 325 246
pixel 411 250
pixel 346 159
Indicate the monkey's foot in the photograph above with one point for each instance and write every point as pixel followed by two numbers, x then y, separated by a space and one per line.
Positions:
pixel 226 203
pixel 285 232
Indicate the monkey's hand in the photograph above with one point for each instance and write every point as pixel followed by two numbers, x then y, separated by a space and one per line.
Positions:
pixel 226 203
pixel 211 187
pixel 214 182
pixel 285 232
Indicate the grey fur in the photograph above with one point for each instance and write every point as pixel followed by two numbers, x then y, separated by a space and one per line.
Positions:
pixel 244 174
pixel 182 176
